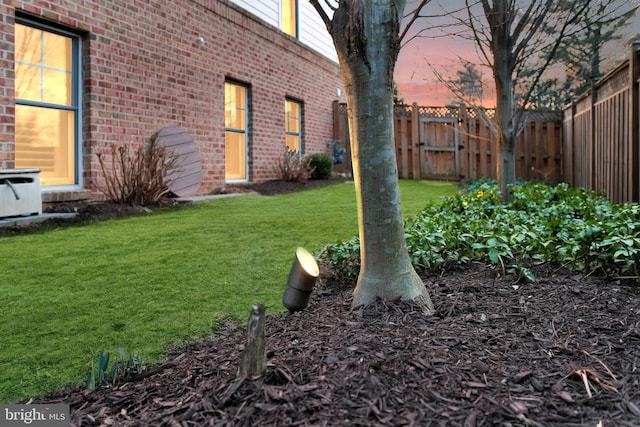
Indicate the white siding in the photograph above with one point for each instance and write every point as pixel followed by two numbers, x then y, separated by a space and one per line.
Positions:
pixel 268 10
pixel 313 32
pixel 311 29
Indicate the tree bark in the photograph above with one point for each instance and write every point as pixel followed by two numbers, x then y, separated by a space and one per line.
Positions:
pixel 506 133
pixel 365 33
pixel 500 17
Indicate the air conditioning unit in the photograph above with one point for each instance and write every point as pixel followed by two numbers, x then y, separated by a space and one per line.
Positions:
pixel 20 192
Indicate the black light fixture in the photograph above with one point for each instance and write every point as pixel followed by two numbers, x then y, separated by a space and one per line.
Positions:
pixel 302 277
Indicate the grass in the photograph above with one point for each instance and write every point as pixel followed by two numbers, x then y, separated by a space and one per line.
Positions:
pixel 150 281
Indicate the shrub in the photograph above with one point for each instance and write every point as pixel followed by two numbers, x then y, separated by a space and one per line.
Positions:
pixel 344 260
pixel 322 166
pixel 138 177
pixel 544 223
pixel 293 167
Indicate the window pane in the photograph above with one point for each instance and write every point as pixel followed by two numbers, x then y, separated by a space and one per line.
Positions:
pixel 28 43
pixel 289 24
pixel 239 96
pixel 236 132
pixel 292 109
pixel 235 155
pixel 292 112
pixel 293 125
pixel 57 87
pixel 57 52
pixel 45 137
pixel 236 119
pixel 43 60
pixel 235 100
pixel 45 140
pixel 293 142
pixel 28 82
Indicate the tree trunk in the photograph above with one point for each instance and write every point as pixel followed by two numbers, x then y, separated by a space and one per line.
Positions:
pixel 365 33
pixel 506 136
pixel 503 66
pixel 505 164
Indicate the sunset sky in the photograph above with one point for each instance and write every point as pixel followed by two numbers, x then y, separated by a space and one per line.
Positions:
pixel 414 76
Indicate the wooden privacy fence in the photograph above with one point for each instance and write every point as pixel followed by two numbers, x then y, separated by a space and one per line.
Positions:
pixel 601 143
pixel 453 143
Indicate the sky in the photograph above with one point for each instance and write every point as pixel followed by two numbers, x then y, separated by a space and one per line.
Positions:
pixel 414 73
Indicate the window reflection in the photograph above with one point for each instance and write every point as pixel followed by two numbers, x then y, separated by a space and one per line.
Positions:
pixel 45 113
pixel 44 139
pixel 292 111
pixel 289 17
pixel 235 137
pixel 43 66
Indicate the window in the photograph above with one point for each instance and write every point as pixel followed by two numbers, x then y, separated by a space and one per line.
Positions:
pixel 235 135
pixel 47 107
pixel 289 17
pixel 293 125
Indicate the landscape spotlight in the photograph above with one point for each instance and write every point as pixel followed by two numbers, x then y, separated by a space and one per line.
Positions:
pixel 302 277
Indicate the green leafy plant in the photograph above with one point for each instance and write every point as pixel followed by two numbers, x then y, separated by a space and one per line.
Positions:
pixel 543 223
pixel 322 166
pixel 121 369
pixel 344 259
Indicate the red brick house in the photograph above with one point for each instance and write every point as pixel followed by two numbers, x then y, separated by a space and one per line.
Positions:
pixel 243 78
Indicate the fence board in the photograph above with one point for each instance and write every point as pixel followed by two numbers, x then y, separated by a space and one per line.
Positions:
pixel 603 133
pixel 538 149
pixel 415 140
pixel 403 146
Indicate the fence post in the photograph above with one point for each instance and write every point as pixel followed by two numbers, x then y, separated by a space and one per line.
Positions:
pixel 569 163
pixel 402 143
pixel 569 140
pixel 593 176
pixel 634 123
pixel 415 140
pixel 463 132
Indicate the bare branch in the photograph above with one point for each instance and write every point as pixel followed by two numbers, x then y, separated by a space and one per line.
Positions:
pixel 414 16
pixel 525 19
pixel 549 58
pixel 330 6
pixel 323 15
pixel 477 33
pixel 538 19
pixel 417 14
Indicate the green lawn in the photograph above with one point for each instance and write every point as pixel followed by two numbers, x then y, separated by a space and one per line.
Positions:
pixel 149 281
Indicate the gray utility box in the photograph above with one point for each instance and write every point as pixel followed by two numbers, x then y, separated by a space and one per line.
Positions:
pixel 20 192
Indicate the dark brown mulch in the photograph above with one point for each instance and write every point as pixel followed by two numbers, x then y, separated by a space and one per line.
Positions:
pixel 564 351
pixel 277 186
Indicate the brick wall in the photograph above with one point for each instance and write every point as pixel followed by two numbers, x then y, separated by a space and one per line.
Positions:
pixel 143 69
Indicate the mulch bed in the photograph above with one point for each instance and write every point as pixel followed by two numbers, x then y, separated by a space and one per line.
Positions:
pixel 564 351
pixel 277 186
